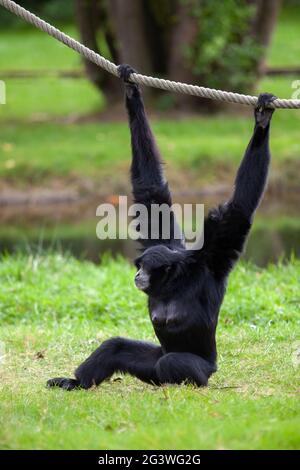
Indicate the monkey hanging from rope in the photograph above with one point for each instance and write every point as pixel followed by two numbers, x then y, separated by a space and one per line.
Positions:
pixel 185 288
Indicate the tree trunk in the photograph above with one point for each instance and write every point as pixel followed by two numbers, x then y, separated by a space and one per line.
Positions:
pixel 184 35
pixel 89 18
pixel 263 26
pixel 129 26
pixel 128 23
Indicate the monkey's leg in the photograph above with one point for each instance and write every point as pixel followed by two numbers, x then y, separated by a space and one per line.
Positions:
pixel 137 358
pixel 176 368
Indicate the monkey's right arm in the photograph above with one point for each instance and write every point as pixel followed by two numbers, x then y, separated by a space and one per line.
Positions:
pixel 227 227
pixel 148 182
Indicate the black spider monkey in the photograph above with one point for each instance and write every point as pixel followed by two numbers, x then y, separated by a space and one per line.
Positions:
pixel 185 288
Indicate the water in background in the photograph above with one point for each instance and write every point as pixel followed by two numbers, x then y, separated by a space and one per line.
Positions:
pixel 71 228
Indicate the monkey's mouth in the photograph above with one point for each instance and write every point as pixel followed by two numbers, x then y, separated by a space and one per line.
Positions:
pixel 142 280
pixel 141 284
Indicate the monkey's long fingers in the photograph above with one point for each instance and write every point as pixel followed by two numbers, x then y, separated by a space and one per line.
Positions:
pixel 125 71
pixel 263 110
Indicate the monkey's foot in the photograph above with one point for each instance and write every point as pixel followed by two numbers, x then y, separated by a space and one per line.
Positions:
pixel 125 71
pixel 63 382
pixel 263 110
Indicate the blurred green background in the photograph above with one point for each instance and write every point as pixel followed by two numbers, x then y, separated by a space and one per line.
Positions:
pixel 65 145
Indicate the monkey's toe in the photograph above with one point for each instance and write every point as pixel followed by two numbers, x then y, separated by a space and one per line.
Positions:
pixel 125 71
pixel 63 382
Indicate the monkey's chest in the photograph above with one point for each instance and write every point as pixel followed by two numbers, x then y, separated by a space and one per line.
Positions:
pixel 179 328
pixel 168 316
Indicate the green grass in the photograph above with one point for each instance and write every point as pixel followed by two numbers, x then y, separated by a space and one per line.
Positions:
pixel 30 49
pixel 285 46
pixel 55 310
pixel 202 144
pixel 45 98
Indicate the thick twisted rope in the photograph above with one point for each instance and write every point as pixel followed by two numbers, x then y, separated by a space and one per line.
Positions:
pixel 110 67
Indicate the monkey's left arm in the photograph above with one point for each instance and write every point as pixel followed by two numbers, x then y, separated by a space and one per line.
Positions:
pixel 252 174
pixel 227 227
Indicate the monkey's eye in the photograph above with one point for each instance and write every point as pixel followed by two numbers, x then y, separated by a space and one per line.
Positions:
pixel 137 264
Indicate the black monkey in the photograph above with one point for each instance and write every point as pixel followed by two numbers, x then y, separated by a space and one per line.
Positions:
pixel 185 288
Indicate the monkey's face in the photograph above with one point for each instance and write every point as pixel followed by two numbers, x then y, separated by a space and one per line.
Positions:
pixel 154 280
pixel 157 267
pixel 142 279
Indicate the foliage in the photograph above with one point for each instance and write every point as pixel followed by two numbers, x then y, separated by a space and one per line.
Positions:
pixel 51 10
pixel 224 54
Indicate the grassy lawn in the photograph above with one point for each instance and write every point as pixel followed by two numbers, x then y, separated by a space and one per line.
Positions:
pixel 285 47
pixel 55 310
pixel 31 149
pixel 203 145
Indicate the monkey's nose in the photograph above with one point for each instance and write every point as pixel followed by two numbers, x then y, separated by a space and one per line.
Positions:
pixel 157 320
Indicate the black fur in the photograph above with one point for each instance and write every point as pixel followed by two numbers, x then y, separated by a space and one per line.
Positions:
pixel 186 288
